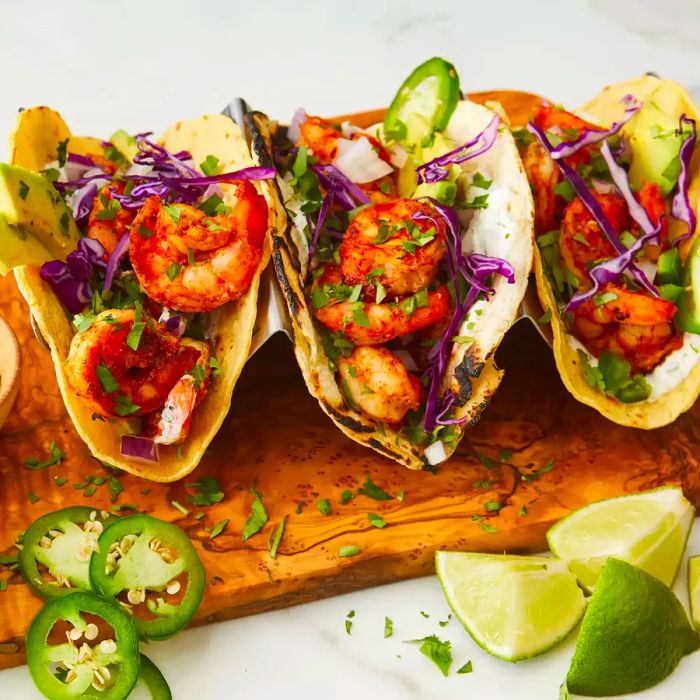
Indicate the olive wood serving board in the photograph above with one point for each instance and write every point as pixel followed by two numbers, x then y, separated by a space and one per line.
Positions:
pixel 277 437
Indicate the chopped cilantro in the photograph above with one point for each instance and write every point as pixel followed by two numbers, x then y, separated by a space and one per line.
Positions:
pixel 55 457
pixel 145 232
pixel 565 189
pixel 23 190
pixel 210 165
pixel 277 538
pixel 123 406
pixel 346 496
pixel 370 489
pixel 522 136
pixel 545 318
pixel 136 331
pixel 64 221
pixel 349 550
pixel 62 152
pixel 173 271
pixel 324 507
pixel 479 202
pixel 214 365
pixel 481 182
pixel 107 380
pixel 489 529
pixel 523 510
pixel 60 480
pixel 439 652
pixel 208 491
pixel 115 488
pixel 485 460
pixel 32 497
pixel 90 491
pixel 604 298
pixel 258 515
pixel 467 668
pixel 401 496
pixel 505 455
pixel 173 211
pixel 83 321
pixel 218 528
pixel 424 614
pixel 388 627
pixel 538 472
pixel 376 520
pixel 359 315
pixel 180 507
pixel 300 507
pixel 492 506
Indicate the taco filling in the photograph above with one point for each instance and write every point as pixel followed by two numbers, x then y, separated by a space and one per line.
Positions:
pixel 395 267
pixel 604 199
pixel 164 242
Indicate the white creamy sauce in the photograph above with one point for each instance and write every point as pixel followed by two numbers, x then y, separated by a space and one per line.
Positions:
pixel 670 373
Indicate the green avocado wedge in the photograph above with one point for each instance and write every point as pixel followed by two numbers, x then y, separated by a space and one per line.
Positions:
pixel 36 225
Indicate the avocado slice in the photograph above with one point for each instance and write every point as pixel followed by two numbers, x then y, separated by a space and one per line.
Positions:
pixel 687 317
pixel 655 145
pixel 36 225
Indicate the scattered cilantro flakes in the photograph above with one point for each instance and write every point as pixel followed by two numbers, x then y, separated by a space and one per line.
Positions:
pixel 60 480
pixel 439 652
pixel 218 528
pixel 349 550
pixel 90 491
pixel 173 271
pixel 83 321
pixel 115 488
pixel 32 497
pixel 210 165
pixel 173 211
pixel 425 615
pixel 136 331
pixel 348 621
pixel 23 190
pixel 376 520
pixel 388 627
pixel 62 152
pixel 505 455
pixel 145 232
pixel 523 510
pixel 258 516
pixel 300 507
pixel 123 406
pixel 55 457
pixel 324 507
pixel 480 181
pixel 545 318
pixel 400 496
pixel 215 580
pixel 538 472
pixel 489 529
pixel 180 507
pixel 485 460
pixel 345 497
pixel 492 506
pixel 124 506
pixel 371 490
pixel 277 538
pixel 208 491
pixel 107 380
pixel 3 581
pixel 444 623
pixel 467 668
pixel 565 190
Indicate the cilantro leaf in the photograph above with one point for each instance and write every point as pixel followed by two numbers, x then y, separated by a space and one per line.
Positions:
pixel 106 378
pixel 208 491
pixel 324 507
pixel 55 457
pixel 439 652
pixel 376 520
pixel 210 165
pixel 371 490
pixel 349 550
pixel 467 668
pixel 388 627
pixel 277 538
pixel 258 516
pixel 218 528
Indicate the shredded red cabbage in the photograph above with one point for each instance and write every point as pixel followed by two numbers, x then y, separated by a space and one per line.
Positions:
pixel 139 448
pixel 339 190
pixel 475 268
pixel 591 203
pixel 610 270
pixel 588 137
pixel 175 325
pixel 681 208
pixel 70 280
pixel 438 168
pixel 116 258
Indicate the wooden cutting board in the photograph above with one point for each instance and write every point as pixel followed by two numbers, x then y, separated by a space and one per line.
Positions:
pixel 277 436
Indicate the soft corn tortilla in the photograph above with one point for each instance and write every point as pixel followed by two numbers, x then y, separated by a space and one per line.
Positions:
pixel 32 145
pixel 504 229
pixel 655 412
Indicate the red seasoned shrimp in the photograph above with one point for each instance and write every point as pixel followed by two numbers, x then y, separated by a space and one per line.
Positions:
pixel 378 383
pixel 189 261
pixel 634 325
pixel 108 221
pixel 391 241
pixel 650 197
pixel 374 324
pixel 115 380
pixel 581 240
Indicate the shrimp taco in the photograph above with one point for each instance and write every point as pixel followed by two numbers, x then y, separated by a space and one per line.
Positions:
pixel 618 269
pixel 403 261
pixel 140 260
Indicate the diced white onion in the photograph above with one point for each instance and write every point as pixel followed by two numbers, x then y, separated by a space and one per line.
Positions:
pixel 349 130
pixel 435 453
pixel 647 267
pixel 294 129
pixel 398 155
pixel 359 162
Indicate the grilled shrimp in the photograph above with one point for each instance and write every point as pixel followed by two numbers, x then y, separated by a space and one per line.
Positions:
pixel 108 221
pixel 189 261
pixel 636 326
pixel 581 240
pixel 374 324
pixel 378 383
pixel 398 249
pixel 650 197
pixel 321 137
pixel 115 380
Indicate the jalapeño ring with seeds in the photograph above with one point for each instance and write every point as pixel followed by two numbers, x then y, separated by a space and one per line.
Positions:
pixel 152 569
pixel 56 550
pixel 80 643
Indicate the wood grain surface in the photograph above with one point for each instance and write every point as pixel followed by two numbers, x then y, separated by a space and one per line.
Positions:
pixel 277 437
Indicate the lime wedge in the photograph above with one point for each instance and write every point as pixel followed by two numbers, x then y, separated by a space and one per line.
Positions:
pixel 694 590
pixel 633 635
pixel 649 530
pixel 514 607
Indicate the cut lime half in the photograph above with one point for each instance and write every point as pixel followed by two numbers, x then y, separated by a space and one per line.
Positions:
pixel 649 530
pixel 514 607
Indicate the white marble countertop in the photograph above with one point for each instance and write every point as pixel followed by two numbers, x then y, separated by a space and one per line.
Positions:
pixel 137 64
